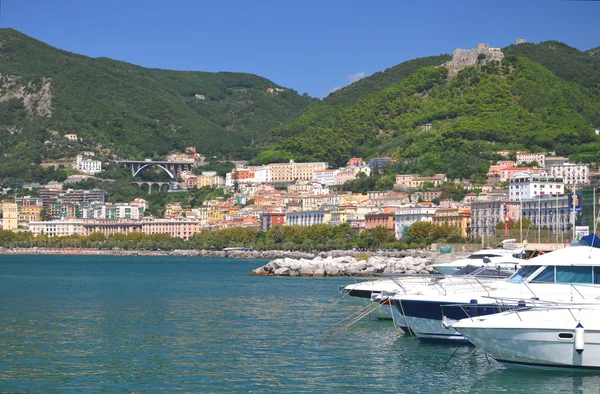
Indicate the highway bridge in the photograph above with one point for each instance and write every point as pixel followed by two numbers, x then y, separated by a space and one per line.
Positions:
pixel 173 168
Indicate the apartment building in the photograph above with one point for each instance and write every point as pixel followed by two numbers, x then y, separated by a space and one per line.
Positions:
pixel 404 217
pixel 526 186
pixel 485 215
pixel 177 228
pixel 572 174
pixel 530 157
pixel 307 218
pixel 58 228
pixel 458 217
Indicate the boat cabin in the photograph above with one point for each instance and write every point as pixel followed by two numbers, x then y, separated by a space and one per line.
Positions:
pixel 571 265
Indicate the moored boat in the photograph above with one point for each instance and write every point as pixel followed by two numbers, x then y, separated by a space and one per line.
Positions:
pixel 559 336
pixel 565 275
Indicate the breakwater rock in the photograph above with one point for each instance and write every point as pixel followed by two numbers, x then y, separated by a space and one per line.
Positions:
pixel 416 262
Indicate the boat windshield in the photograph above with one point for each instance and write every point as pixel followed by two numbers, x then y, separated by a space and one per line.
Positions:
pixel 482 255
pixel 522 274
pixel 465 270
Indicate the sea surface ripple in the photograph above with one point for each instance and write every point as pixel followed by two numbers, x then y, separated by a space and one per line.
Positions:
pixel 170 324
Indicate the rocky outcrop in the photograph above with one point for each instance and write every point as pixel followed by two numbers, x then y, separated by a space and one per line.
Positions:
pixel 412 262
pixel 36 96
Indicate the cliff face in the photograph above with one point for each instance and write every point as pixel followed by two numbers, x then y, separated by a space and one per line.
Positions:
pixel 35 95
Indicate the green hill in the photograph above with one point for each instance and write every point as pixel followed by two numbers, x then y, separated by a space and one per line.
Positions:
pixel 517 104
pixel 381 80
pixel 593 51
pixel 127 110
pixel 567 62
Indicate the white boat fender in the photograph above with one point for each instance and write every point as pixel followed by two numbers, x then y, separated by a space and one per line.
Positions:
pixel 579 338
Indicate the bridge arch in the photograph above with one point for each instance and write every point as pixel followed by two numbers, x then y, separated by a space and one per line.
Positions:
pixel 140 168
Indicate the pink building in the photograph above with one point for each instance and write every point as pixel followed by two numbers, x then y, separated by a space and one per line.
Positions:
pixel 176 228
pixel 344 175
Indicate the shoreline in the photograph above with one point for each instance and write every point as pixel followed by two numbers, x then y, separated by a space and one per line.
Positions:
pixel 264 254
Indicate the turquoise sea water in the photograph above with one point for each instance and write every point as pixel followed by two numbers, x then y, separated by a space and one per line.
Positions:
pixel 166 324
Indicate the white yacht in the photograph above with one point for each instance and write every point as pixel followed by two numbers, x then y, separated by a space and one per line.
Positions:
pixel 565 275
pixel 369 291
pixel 564 336
pixel 507 258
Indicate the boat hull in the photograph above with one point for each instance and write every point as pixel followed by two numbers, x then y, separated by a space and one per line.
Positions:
pixel 425 317
pixel 536 347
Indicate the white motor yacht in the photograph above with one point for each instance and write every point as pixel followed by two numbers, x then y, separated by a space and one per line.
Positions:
pixel 567 275
pixel 548 336
pixel 370 290
pixel 507 258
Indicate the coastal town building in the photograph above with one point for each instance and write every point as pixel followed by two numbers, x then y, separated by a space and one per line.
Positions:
pixel 551 161
pixel 10 216
pixel 405 217
pixel 209 179
pixel 384 218
pixel 458 217
pixel 377 163
pixel 57 228
pixel 531 157
pixel 87 166
pixel 525 186
pixel 111 211
pixel 307 218
pixel 551 212
pixel 268 220
pixel 177 228
pixel 412 181
pixel 30 213
pixel 572 174
pixel 486 215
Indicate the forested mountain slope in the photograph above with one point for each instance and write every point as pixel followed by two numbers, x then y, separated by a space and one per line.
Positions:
pixel 128 110
pixel 381 80
pixel 517 104
pixel 567 62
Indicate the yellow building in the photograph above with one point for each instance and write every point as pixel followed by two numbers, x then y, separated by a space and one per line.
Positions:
pixel 210 179
pixel 459 217
pixel 30 213
pixel 292 171
pixel 173 210
pixel 10 216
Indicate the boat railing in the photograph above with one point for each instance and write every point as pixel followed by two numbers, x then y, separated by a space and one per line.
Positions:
pixel 516 305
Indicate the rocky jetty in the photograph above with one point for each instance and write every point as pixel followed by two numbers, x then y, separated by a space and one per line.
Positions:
pixel 406 262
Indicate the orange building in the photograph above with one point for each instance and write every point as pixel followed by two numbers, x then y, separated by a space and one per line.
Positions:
pixel 384 218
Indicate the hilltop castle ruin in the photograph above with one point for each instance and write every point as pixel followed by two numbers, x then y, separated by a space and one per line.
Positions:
pixel 462 58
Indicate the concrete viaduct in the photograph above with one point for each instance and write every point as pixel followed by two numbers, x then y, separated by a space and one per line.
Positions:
pixel 150 184
pixel 173 168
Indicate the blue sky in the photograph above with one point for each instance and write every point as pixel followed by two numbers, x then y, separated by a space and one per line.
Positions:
pixel 310 46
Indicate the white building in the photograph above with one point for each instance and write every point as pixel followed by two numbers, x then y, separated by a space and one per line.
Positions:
pixel 262 175
pixel 405 217
pixel 112 211
pixel 523 187
pixel 57 228
pixel 88 166
pixel 305 218
pixel 325 177
pixel 572 174
pixel 71 137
